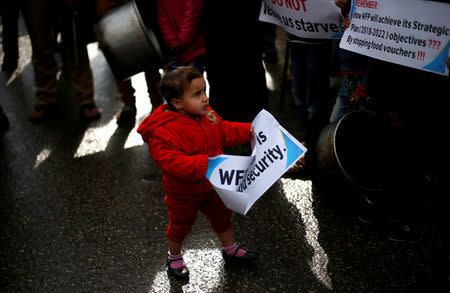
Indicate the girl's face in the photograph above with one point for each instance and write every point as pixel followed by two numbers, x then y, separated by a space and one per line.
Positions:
pixel 194 100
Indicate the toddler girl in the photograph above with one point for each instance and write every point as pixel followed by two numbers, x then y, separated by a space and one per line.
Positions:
pixel 181 135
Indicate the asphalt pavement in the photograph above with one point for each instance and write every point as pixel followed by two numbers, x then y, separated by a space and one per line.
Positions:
pixel 82 210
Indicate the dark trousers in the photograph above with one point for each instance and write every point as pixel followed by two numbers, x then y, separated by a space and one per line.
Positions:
pixel 9 11
pixel 310 67
pixel 183 210
pixel 236 75
pixel 43 19
pixel 152 78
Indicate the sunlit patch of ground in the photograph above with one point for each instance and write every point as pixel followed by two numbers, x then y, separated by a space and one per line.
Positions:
pixel 206 267
pixel 299 194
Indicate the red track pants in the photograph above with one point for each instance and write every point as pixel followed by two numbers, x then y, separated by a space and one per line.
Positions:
pixel 183 209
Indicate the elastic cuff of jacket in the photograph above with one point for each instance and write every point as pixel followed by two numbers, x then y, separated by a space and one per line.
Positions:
pixel 250 128
pixel 204 162
pixel 362 91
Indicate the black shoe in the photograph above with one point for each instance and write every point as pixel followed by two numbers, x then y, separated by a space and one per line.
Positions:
pixel 127 116
pixel 89 112
pixel 180 273
pixel 248 257
pixel 43 112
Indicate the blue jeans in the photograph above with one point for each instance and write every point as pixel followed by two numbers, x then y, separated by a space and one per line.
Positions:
pixel 342 105
pixel 311 86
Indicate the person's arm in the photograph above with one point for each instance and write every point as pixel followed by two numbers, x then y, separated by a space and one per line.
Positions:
pixel 168 33
pixel 236 133
pixel 346 22
pixel 175 162
pixel 361 93
pixel 345 10
pixel 344 5
pixel 341 3
pixel 193 13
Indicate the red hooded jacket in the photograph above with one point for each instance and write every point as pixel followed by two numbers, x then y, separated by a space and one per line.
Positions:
pixel 180 22
pixel 181 145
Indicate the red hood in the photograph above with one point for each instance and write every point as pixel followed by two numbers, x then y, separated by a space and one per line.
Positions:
pixel 159 117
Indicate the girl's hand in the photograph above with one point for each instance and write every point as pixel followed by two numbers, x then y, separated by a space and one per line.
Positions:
pixel 340 3
pixel 356 99
pixel 346 22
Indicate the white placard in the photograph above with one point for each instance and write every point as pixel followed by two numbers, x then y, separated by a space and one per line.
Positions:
pixel 304 18
pixel 241 180
pixel 413 33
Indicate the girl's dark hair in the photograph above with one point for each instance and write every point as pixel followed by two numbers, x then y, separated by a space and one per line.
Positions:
pixel 176 80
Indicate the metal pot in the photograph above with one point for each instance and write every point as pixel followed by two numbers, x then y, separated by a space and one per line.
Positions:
pixel 128 44
pixel 350 151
